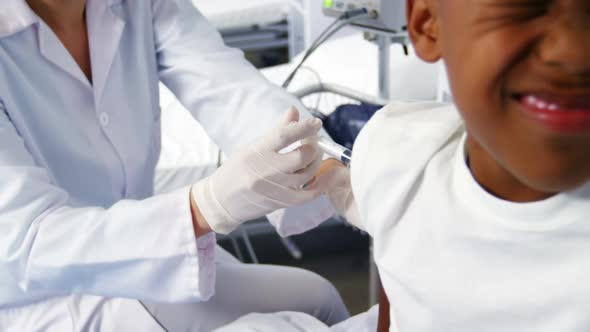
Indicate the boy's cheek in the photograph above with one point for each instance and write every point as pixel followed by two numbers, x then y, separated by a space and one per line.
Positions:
pixel 481 70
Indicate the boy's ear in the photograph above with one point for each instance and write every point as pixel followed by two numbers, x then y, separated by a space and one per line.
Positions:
pixel 423 29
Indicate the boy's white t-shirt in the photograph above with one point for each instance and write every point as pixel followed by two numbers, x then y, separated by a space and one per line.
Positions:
pixel 451 256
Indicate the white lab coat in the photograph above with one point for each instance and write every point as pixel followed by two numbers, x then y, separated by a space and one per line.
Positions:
pixel 77 159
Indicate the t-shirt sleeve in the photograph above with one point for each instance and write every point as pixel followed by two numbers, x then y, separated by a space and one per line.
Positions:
pixel 390 155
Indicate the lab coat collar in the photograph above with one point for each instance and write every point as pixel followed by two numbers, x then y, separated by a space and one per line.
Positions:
pixel 15 16
pixel 105 30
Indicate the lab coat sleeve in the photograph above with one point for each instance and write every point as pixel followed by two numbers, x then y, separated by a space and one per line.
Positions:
pixel 136 249
pixel 233 101
pixel 222 90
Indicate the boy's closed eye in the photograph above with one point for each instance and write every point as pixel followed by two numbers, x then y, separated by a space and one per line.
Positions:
pixel 513 11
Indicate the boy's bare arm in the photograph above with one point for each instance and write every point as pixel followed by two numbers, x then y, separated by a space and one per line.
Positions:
pixel 383 325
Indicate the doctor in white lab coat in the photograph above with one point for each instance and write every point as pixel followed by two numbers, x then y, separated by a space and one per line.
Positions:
pixel 84 243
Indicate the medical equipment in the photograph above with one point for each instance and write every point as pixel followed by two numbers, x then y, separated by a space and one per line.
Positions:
pixel 330 148
pixel 385 25
pixel 382 21
pixel 384 15
pixel 335 150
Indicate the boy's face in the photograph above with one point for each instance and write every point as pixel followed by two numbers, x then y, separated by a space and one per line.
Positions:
pixel 520 74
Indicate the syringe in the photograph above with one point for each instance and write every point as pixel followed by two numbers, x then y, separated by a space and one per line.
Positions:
pixel 334 150
pixel 330 148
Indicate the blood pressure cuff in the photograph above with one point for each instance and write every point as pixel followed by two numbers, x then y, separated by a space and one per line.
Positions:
pixel 345 123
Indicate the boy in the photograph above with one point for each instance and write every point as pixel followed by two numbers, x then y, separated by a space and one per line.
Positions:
pixel 480 212
pixel 481 217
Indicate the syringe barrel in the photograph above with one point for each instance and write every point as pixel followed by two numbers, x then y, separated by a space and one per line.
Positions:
pixel 335 150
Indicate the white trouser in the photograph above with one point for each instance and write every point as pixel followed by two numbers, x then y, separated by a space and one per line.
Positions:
pixel 299 322
pixel 243 288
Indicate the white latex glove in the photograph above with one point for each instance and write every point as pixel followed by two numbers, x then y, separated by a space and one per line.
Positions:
pixel 258 179
pixel 334 182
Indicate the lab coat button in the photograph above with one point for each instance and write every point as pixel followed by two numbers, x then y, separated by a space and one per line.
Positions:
pixel 104 119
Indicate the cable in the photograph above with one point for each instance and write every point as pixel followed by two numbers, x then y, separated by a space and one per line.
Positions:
pixel 287 82
pixel 334 27
pixel 316 111
pixel 342 21
pixel 345 19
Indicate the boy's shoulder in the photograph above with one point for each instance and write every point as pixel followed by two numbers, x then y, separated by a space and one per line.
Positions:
pixel 412 119
pixel 393 149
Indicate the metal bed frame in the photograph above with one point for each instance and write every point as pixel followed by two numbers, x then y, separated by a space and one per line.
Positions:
pixel 256 38
pixel 339 90
pixel 288 34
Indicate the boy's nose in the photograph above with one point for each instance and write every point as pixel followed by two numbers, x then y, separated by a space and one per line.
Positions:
pixel 567 44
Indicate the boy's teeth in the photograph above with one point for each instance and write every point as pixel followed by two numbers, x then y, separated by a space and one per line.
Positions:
pixel 558 113
pixel 541 104
pixel 556 104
